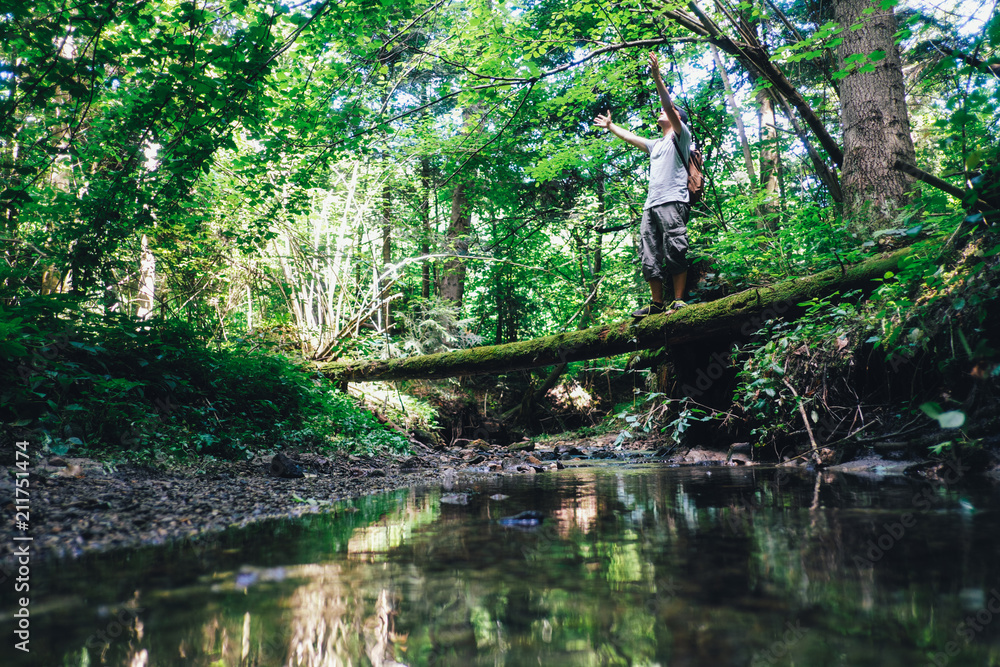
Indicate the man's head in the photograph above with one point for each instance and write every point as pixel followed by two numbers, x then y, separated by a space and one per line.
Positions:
pixel 664 122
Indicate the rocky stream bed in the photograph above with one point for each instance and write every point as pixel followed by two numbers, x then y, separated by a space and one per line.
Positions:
pixel 77 506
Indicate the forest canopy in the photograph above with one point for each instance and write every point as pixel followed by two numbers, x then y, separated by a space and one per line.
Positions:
pixel 360 178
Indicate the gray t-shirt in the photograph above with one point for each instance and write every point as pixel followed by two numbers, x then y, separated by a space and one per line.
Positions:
pixel 668 177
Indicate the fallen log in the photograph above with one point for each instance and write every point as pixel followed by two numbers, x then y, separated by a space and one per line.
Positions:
pixel 738 313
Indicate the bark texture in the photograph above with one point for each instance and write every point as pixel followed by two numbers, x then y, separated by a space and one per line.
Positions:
pixel 738 313
pixel 874 117
pixel 452 279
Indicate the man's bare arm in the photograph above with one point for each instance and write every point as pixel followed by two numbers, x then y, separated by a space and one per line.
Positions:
pixel 661 89
pixel 620 132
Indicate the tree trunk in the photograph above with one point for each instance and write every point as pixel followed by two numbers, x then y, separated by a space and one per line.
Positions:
pixel 770 159
pixel 754 57
pixel 147 281
pixel 737 113
pixel 452 277
pixel 386 251
pixel 827 174
pixel 740 313
pixel 425 227
pixel 874 117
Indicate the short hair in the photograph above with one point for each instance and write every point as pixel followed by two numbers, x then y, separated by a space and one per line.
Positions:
pixel 682 115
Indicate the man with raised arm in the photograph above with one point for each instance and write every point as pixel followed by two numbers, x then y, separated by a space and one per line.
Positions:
pixel 663 242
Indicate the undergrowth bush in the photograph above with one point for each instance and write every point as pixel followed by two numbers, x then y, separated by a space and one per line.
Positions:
pixel 117 386
pixel 931 326
pixel 806 362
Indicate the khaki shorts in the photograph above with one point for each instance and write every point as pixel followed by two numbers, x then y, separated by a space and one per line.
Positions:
pixel 663 242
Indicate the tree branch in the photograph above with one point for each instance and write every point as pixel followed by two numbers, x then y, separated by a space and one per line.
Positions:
pixel 754 56
pixel 932 180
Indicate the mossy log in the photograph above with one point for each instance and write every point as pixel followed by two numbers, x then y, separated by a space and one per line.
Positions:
pixel 737 313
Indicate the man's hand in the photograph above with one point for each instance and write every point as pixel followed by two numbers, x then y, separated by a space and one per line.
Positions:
pixel 603 121
pixel 654 65
pixel 665 102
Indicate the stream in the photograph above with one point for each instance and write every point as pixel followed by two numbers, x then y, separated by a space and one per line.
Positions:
pixel 641 564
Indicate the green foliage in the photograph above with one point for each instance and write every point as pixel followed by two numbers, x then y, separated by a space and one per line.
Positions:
pixel 810 240
pixel 91 92
pixel 658 413
pixel 124 387
pixel 946 419
pixel 790 362
pixel 434 325
pixel 295 169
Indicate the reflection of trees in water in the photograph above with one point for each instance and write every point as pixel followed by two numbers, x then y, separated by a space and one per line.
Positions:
pixel 695 568
pixel 333 613
pixel 334 619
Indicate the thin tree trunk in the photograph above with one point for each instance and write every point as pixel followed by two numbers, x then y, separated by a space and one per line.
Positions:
pixel 735 110
pixel 147 280
pixel 825 173
pixel 770 159
pixel 425 227
pixel 386 248
pixel 452 275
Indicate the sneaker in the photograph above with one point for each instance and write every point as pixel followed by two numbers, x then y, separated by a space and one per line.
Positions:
pixel 653 308
pixel 677 305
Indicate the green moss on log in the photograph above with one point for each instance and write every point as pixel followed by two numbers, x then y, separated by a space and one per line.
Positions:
pixel 741 312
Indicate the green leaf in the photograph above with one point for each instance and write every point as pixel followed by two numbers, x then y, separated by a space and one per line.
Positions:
pixel 951 419
pixel 932 410
pixel 61 449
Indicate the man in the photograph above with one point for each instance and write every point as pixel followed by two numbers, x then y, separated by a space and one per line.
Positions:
pixel 663 240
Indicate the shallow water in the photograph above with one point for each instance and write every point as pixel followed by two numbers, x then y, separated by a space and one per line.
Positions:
pixel 633 565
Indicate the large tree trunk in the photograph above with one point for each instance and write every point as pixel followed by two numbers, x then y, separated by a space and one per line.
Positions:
pixel 737 314
pixel 874 117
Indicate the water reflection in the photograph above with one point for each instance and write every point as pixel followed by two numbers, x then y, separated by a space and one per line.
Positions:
pixel 631 566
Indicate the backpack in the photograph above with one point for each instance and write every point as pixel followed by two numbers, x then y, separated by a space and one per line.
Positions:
pixel 696 176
